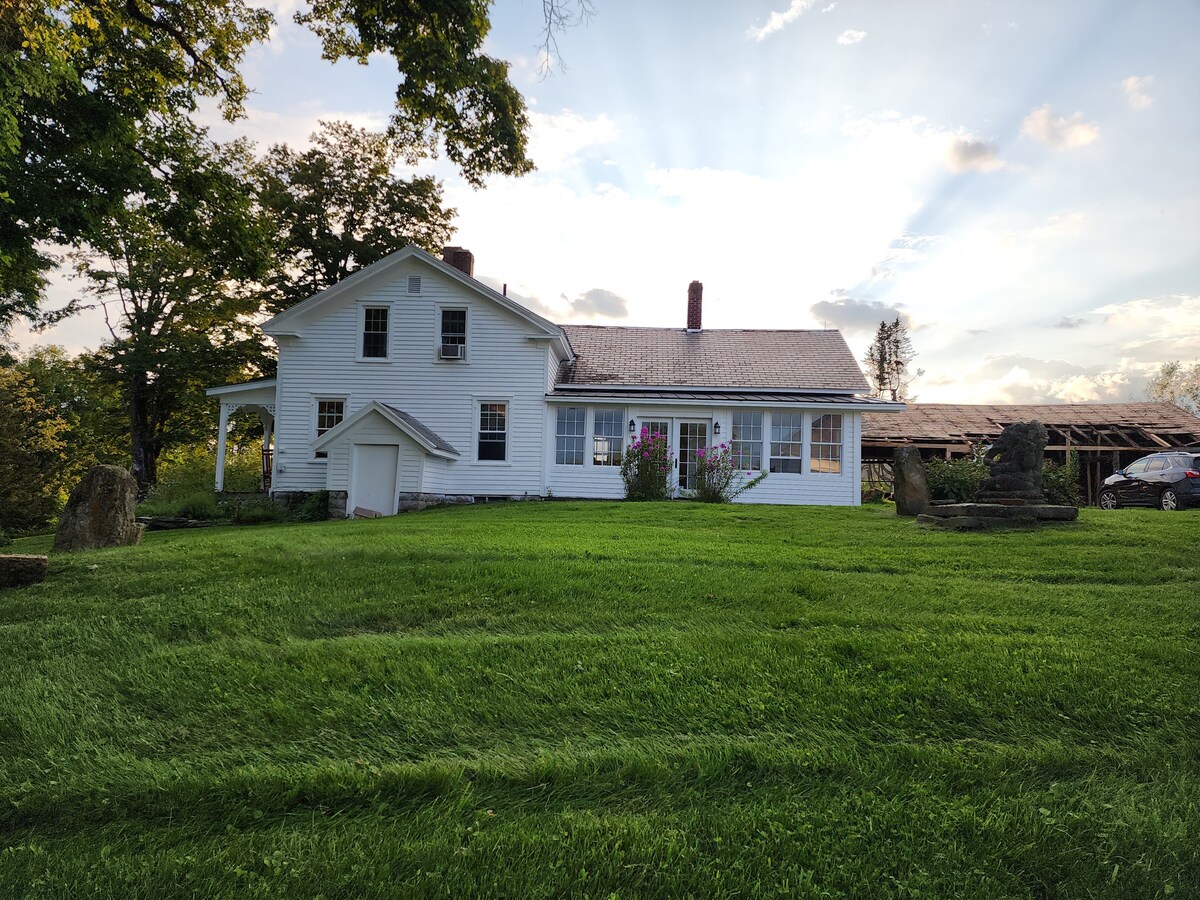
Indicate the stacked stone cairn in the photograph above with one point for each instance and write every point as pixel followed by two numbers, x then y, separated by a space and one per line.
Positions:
pixel 1012 493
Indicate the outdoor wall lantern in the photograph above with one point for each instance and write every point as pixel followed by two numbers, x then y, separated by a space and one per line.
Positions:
pixel 716 429
pixel 632 426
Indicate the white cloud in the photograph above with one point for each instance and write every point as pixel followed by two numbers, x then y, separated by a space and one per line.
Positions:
pixel 557 140
pixel 777 21
pixel 831 7
pixel 1059 132
pixel 1134 87
pixel 968 153
pixel 850 36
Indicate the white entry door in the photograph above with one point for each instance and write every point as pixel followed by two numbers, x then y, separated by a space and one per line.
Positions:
pixel 373 478
pixel 693 435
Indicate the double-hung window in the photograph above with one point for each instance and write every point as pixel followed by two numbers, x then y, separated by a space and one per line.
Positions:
pixel 745 444
pixel 454 332
pixel 493 432
pixel 329 414
pixel 826 444
pixel 375 332
pixel 787 442
pixel 570 430
pixel 607 442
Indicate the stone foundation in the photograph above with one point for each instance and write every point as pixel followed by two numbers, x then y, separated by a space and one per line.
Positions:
pixel 411 502
pixel 1013 513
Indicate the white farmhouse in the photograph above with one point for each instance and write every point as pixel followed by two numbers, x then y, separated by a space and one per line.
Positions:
pixel 410 383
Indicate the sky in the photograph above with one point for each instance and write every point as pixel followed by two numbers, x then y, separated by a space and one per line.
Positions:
pixel 1018 181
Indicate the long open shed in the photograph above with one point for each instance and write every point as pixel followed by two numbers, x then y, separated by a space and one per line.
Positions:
pixel 1106 436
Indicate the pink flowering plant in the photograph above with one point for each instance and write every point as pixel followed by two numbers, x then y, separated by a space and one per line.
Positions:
pixel 718 480
pixel 646 467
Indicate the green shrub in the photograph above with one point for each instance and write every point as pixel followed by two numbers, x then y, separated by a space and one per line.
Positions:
pixel 255 511
pixel 955 479
pixel 1061 483
pixel 646 467
pixel 717 479
pixel 188 471
pixel 5 540
pixel 873 494
pixel 314 508
pixel 197 505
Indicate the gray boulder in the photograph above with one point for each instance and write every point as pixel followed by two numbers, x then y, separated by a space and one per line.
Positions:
pixel 100 512
pixel 911 490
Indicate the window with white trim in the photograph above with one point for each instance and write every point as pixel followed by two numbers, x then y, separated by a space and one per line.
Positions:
pixel 454 327
pixel 607 441
pixel 746 441
pixel 787 442
pixel 826 455
pixel 570 431
pixel 329 415
pixel 492 445
pixel 375 332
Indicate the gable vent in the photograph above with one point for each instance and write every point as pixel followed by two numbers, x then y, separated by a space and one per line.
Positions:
pixel 414 284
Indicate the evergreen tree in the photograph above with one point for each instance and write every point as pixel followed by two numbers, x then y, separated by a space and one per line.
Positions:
pixel 887 362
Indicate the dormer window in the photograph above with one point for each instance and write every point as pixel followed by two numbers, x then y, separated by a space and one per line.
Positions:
pixel 375 332
pixel 454 334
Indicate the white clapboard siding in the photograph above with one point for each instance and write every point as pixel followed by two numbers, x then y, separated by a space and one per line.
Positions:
pixel 503 364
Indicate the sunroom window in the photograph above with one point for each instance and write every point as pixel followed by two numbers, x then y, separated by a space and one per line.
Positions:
pixel 607 443
pixel 787 442
pixel 827 444
pixel 746 440
pixel 570 430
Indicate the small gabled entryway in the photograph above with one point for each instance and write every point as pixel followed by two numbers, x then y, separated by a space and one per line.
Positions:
pixel 374 469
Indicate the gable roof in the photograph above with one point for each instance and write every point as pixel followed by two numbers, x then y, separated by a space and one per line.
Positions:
pixel 934 423
pixel 613 356
pixel 358 280
pixel 422 435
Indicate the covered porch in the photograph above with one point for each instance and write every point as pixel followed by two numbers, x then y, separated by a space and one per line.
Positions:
pixel 257 397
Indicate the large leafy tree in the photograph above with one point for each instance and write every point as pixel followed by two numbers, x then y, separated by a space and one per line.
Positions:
pixel 337 207
pixel 177 271
pixel 82 82
pixel 449 90
pixel 32 438
pixel 1175 382
pixel 887 362
pixel 86 400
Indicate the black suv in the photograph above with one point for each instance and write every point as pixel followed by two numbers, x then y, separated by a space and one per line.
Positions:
pixel 1168 480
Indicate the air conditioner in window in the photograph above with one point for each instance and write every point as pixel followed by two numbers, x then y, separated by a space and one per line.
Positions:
pixel 452 351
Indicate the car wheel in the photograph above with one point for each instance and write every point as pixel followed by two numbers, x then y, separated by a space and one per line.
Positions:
pixel 1108 500
pixel 1168 500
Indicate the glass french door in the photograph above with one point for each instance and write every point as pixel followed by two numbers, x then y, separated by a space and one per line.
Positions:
pixel 692 437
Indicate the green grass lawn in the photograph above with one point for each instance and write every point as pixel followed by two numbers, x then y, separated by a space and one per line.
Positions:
pixel 608 700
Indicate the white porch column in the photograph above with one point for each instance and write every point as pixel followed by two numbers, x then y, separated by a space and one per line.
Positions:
pixel 268 423
pixel 223 428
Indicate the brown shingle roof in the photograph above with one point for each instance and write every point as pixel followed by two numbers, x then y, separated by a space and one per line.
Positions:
pixel 713 358
pixel 947 422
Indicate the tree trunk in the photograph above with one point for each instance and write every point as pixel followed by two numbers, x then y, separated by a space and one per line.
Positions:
pixel 141 441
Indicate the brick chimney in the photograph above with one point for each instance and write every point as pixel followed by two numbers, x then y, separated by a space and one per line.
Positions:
pixel 462 259
pixel 695 296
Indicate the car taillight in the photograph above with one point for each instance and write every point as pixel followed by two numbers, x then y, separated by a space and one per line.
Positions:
pixel 1191 474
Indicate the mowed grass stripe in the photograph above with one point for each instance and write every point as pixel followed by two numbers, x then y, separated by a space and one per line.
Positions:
pixel 805 701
